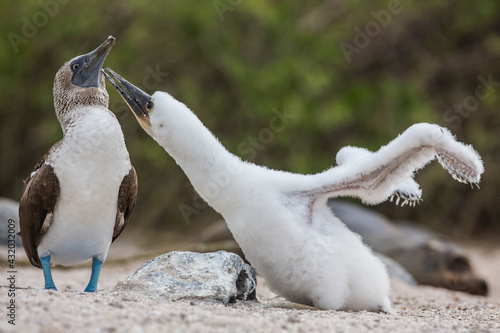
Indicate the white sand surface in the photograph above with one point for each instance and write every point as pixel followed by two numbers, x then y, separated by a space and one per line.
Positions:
pixel 416 309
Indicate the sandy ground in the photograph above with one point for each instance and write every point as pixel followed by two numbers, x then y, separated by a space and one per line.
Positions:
pixel 416 309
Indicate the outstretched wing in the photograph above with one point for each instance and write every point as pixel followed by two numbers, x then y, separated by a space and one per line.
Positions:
pixel 408 192
pixel 126 201
pixel 36 209
pixel 374 177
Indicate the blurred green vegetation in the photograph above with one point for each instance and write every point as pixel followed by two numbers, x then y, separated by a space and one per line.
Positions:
pixel 236 63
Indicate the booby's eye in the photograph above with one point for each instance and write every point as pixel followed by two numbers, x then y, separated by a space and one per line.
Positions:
pixel 75 66
pixel 149 106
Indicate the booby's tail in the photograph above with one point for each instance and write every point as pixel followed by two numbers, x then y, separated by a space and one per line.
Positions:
pixel 377 176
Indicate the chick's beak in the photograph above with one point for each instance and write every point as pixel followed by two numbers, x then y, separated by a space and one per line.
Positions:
pixel 138 101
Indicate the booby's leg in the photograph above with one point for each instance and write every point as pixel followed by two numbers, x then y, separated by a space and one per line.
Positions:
pixel 49 282
pixel 94 278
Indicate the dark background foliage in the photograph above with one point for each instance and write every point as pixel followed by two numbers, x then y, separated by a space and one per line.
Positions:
pixel 238 63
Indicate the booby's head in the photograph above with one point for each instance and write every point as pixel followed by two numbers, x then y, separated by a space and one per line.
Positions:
pixel 138 101
pixel 79 82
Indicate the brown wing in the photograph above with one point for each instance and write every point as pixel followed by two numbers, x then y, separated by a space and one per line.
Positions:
pixel 36 209
pixel 126 201
pixel 42 161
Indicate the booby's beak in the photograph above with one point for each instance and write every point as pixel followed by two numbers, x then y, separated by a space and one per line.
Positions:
pixel 137 100
pixel 87 68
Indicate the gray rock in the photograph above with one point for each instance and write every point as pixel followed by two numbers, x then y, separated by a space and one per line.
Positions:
pixel 430 258
pixel 9 210
pixel 221 276
pixel 395 270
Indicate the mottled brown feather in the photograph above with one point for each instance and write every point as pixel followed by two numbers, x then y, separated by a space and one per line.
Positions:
pixel 126 202
pixel 42 161
pixel 38 201
pixel 67 96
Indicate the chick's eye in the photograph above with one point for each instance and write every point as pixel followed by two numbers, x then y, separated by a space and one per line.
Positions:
pixel 149 106
pixel 75 66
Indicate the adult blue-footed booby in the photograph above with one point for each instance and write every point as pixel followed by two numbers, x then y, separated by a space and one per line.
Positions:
pixel 281 220
pixel 80 195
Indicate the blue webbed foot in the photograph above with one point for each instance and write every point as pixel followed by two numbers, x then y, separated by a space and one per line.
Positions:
pixel 49 282
pixel 94 278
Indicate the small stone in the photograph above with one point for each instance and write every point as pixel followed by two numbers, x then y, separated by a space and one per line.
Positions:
pixel 221 276
pixel 128 299
pixel 117 304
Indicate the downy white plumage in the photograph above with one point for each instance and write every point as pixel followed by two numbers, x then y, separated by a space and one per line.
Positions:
pixel 281 220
